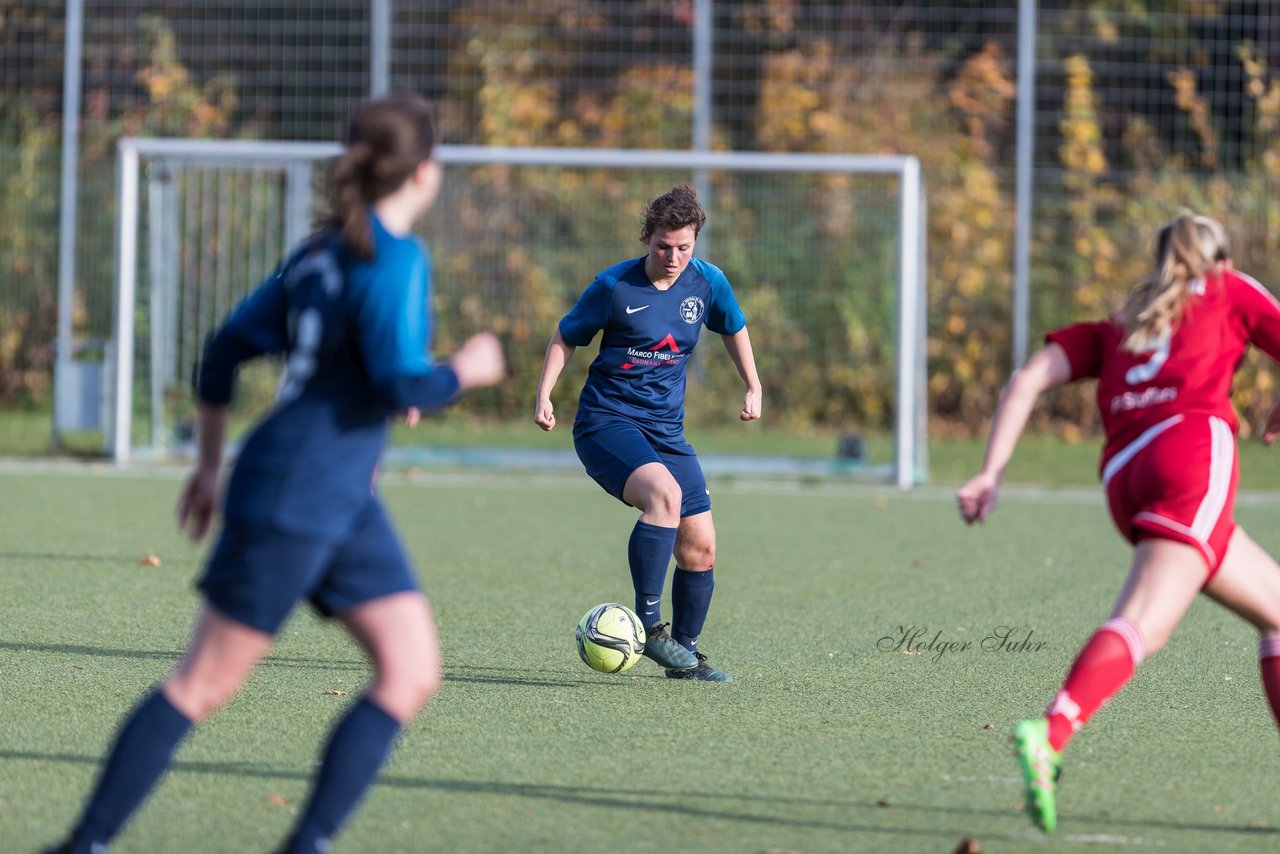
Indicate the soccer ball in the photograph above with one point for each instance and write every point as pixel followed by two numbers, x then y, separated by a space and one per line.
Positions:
pixel 610 638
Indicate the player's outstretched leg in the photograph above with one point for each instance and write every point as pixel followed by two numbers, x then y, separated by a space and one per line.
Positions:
pixel 220 656
pixel 1039 763
pixel 142 752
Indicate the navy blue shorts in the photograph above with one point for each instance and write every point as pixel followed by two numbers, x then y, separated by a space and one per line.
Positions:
pixel 611 451
pixel 257 573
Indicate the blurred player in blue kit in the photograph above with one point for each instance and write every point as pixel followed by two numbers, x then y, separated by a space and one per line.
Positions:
pixel 629 430
pixel 349 308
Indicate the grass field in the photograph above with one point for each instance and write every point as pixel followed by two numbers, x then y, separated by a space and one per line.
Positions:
pixel 825 743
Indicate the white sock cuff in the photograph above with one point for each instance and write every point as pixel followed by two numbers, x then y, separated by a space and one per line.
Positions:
pixel 1131 636
pixel 1269 647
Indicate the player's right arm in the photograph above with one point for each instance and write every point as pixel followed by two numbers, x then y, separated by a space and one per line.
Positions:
pixel 576 329
pixel 1047 368
pixel 558 354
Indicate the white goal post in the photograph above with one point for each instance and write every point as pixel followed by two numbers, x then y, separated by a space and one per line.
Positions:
pixel 294 163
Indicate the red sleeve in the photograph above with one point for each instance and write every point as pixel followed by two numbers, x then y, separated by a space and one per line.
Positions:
pixel 1084 344
pixel 1261 313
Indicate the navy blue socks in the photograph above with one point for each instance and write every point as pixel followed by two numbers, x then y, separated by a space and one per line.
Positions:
pixel 649 555
pixel 690 600
pixel 142 752
pixel 356 750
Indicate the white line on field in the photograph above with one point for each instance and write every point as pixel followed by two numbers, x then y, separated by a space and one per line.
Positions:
pixel 1111 839
pixel 989 778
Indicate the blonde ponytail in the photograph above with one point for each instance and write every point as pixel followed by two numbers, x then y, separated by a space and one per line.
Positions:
pixel 1186 250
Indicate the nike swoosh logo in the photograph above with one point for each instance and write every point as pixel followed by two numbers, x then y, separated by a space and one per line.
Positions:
pixel 631 310
pixel 654 602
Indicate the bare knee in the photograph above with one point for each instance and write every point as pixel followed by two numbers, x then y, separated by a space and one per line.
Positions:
pixel 663 504
pixel 696 557
pixel 198 698
pixel 403 689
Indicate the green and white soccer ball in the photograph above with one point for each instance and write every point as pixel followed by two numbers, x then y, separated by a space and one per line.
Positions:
pixel 610 638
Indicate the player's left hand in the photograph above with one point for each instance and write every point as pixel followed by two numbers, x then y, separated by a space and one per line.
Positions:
pixel 977 498
pixel 750 405
pixel 412 417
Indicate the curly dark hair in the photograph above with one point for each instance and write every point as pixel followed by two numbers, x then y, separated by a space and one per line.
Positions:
pixel 674 210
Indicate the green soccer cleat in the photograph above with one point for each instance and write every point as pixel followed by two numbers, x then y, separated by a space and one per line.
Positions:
pixel 703 672
pixel 662 648
pixel 1040 769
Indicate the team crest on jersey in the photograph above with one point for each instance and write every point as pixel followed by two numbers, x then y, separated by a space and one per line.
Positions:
pixel 691 309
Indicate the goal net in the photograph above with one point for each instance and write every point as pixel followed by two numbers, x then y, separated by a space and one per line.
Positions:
pixel 825 253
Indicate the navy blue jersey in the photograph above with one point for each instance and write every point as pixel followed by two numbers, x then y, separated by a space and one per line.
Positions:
pixel 649 336
pixel 355 336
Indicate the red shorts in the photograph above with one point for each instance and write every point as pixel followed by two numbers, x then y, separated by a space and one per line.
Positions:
pixel 1177 481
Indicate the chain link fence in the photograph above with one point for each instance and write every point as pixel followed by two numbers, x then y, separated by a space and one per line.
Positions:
pixel 1142 109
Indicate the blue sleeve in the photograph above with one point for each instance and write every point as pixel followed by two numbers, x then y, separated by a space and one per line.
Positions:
pixel 724 315
pixel 588 315
pixel 256 326
pixel 394 323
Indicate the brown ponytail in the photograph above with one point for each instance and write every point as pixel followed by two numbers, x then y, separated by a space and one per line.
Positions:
pixel 387 139
pixel 1186 250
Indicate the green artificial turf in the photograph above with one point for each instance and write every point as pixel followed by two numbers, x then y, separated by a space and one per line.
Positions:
pixel 830 739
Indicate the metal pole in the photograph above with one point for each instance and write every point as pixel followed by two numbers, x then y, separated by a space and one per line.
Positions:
pixel 703 23
pixel 73 48
pixel 909 308
pixel 126 285
pixel 1025 152
pixel 379 47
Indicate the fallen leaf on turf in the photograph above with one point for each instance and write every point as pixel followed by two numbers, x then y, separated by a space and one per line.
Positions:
pixel 277 800
pixel 883 803
pixel 335 693
pixel 968 846
pixel 77 667
pixel 149 560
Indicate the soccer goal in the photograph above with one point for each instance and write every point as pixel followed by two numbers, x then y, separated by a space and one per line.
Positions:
pixel 826 254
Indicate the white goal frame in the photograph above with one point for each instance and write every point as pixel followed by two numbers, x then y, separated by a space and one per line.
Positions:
pixel 909 465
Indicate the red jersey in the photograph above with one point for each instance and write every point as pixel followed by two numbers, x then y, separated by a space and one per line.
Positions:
pixel 1188 372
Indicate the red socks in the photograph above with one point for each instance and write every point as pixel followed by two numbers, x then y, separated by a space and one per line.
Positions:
pixel 1269 664
pixel 1102 668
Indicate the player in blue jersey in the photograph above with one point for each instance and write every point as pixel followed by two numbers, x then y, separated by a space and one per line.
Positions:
pixel 629 431
pixel 349 310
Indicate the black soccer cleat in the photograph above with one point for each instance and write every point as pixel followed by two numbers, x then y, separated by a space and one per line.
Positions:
pixel 703 672
pixel 662 648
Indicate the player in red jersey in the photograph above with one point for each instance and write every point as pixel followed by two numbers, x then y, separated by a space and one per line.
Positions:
pixel 1164 366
